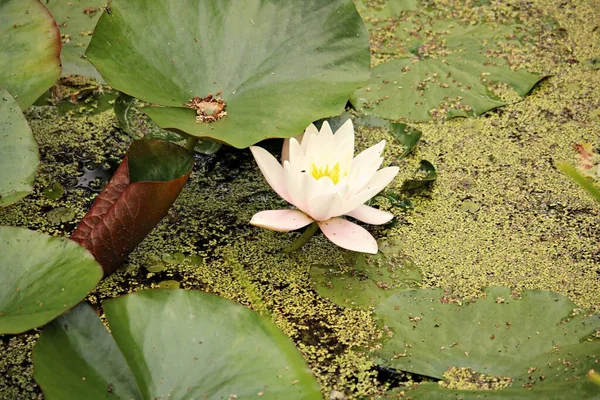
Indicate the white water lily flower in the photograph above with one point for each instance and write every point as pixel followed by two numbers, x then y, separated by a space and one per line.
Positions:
pixel 323 179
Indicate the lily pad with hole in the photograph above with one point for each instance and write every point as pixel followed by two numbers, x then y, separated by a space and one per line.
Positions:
pixel 540 342
pixel 42 277
pixel 29 50
pixel 276 65
pixel 170 343
pixel 431 68
pixel 139 126
pixel 368 279
pixel 19 157
pixel 76 20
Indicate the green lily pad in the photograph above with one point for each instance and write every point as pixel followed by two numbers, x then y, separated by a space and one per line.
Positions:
pixel 537 342
pixel 277 66
pixel 424 176
pixel 29 50
pixel 19 157
pixel 440 69
pixel 169 343
pixel 556 375
pixel 368 280
pixel 42 277
pixel 76 20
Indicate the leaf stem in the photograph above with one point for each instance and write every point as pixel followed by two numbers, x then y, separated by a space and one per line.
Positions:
pixel 190 143
pixel 301 241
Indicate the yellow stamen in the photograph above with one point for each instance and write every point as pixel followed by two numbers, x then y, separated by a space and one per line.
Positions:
pixel 333 173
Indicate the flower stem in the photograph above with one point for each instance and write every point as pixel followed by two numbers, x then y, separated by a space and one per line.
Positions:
pixel 301 241
pixel 190 143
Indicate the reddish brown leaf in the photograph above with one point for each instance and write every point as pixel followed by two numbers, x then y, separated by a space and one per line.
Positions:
pixel 124 213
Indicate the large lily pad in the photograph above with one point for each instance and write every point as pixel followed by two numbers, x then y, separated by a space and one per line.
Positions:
pixel 172 344
pixel 277 65
pixel 536 342
pixel 368 279
pixel 42 277
pixel 29 49
pixel 76 20
pixel 19 157
pixel 440 68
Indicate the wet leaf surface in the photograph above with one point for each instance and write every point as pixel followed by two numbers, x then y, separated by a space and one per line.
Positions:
pixel 76 20
pixel 42 277
pixel 29 50
pixel 432 67
pixel 277 66
pixel 539 340
pixel 170 343
pixel 19 157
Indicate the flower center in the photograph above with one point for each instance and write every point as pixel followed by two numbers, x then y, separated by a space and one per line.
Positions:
pixel 333 173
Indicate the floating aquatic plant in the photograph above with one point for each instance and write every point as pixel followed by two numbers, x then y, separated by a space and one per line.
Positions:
pixel 324 181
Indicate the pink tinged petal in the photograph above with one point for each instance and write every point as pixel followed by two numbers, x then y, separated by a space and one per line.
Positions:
pixel 296 156
pixel 271 169
pixel 285 150
pixel 348 235
pixel 370 215
pixel 281 220
pixel 380 180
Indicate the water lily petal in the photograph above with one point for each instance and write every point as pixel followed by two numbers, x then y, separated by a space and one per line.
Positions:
pixel 366 156
pixel 295 184
pixel 285 149
pixel 309 134
pixel 380 180
pixel 348 235
pixel 370 215
pixel 319 195
pixel 296 156
pixel 281 220
pixel 365 165
pixel 271 169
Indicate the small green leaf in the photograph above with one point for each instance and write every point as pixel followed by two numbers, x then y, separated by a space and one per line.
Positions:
pixel 29 50
pixel 170 343
pixel 19 157
pixel 42 277
pixel 406 136
pixel 76 20
pixel 368 280
pixel 424 176
pixel 277 65
pixel 54 191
